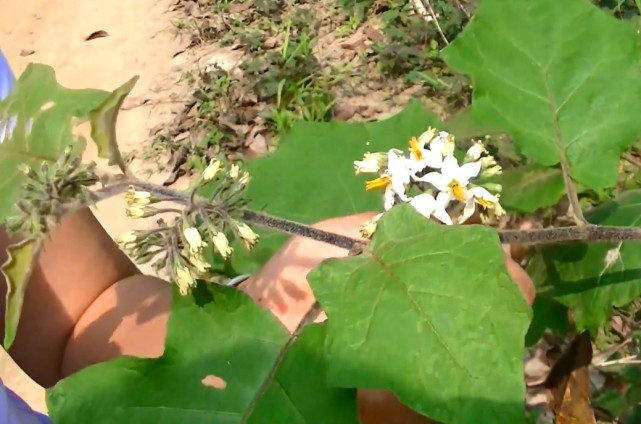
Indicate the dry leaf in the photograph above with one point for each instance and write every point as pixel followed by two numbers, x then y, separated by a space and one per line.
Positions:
pixel 569 383
pixel 97 34
pixel 373 34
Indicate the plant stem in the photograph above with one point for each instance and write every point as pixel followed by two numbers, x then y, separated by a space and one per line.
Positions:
pixel 585 233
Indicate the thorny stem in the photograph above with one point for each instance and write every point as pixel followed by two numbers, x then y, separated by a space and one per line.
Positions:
pixel 586 233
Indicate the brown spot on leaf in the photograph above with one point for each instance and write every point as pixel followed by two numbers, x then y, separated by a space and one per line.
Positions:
pixel 214 382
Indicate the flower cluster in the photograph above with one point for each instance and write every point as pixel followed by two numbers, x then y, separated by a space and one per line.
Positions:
pixel 431 179
pixel 182 246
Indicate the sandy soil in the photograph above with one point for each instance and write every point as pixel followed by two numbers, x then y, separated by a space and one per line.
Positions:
pixel 139 42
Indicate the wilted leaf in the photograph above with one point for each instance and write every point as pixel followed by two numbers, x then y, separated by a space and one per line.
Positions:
pixel 431 313
pixel 216 368
pixel 36 120
pixel 561 77
pixel 591 278
pixel 311 177
pixel 103 123
pixel 569 383
pixel 530 187
pixel 16 271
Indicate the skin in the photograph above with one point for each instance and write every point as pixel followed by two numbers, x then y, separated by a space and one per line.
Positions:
pixel 98 306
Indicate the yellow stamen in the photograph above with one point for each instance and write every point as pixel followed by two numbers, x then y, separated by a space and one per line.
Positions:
pixel 380 182
pixel 484 204
pixel 457 191
pixel 416 152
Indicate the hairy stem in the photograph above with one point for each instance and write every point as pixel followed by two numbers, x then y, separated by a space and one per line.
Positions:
pixel 585 232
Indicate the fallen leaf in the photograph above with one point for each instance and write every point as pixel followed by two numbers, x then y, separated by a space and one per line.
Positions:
pixel 97 34
pixel 26 52
pixel 354 42
pixel 343 112
pixel 270 42
pixel 373 34
pixel 239 7
pixel 569 383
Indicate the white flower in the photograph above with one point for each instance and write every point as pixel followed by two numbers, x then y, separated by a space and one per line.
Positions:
pixel 489 167
pixel 184 280
pixel 234 172
pixel 135 212
pixel 397 175
pixel 127 239
pixel 198 261
pixel 488 204
pixel 371 163
pixel 422 158
pixel 475 152
pixel 244 179
pixel 425 138
pixel 448 143
pixel 222 245
pixel 196 243
pixel 249 237
pixel 212 169
pixel 370 226
pixel 134 197
pixel 427 205
pixel 453 179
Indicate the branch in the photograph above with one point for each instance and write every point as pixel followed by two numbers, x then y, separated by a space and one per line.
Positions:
pixel 586 233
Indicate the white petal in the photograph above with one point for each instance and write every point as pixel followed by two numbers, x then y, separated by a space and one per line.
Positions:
pixel 436 179
pixel 424 204
pixel 468 211
pixel 388 198
pixel 440 213
pixel 436 145
pixel 443 199
pixel 432 159
pixel 450 168
pixel 475 152
pixel 467 172
pixel 481 193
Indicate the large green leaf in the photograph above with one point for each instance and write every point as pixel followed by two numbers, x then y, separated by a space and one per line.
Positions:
pixel 561 77
pixel 37 119
pixel 530 187
pixel 311 176
pixel 216 368
pixel 591 278
pixel 431 313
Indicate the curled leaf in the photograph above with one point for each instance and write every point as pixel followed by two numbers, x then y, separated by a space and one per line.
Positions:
pixel 17 270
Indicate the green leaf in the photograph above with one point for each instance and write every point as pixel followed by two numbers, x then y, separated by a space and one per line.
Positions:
pixel 42 115
pixel 591 278
pixel 103 123
pixel 530 187
pixel 561 77
pixel 429 312
pixel 311 177
pixel 216 368
pixel 547 314
pixel 16 271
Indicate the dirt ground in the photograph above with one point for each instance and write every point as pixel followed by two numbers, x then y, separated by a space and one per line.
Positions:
pixel 139 42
